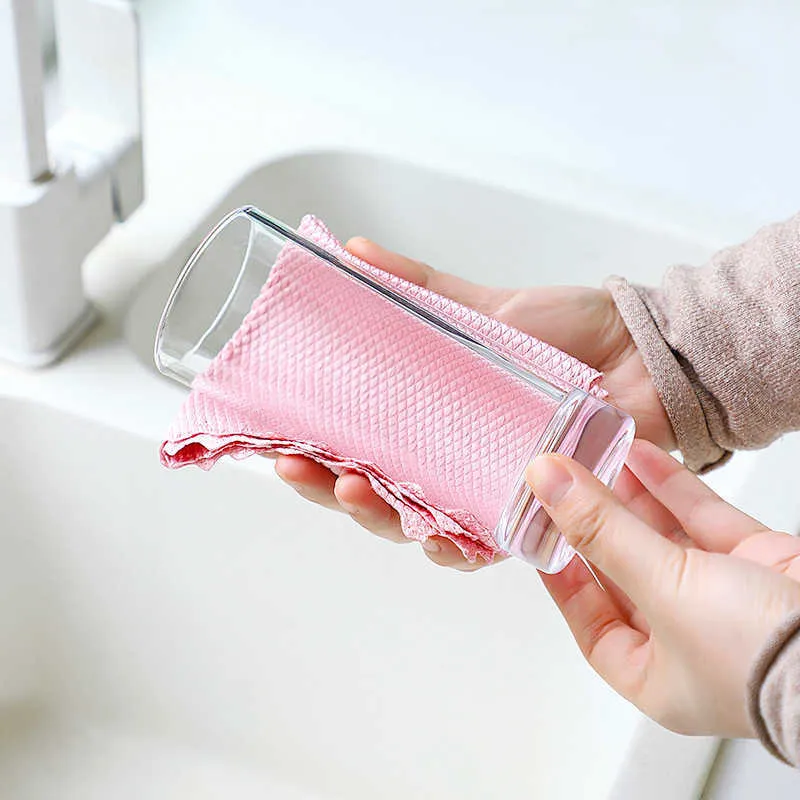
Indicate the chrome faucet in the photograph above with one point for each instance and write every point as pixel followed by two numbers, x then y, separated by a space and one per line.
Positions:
pixel 65 177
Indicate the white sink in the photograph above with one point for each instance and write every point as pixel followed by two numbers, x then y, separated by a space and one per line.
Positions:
pixel 486 234
pixel 163 632
pixel 210 635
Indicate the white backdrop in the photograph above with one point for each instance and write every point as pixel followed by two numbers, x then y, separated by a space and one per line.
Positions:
pixel 698 100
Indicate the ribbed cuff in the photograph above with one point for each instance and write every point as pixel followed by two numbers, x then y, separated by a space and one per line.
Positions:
pixel 786 632
pixel 700 452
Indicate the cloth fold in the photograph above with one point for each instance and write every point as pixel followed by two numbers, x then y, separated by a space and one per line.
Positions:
pixel 324 367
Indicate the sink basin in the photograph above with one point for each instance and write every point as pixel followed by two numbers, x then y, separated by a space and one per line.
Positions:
pixel 486 234
pixel 210 635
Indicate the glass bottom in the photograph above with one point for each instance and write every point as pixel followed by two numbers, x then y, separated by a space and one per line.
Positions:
pixel 593 433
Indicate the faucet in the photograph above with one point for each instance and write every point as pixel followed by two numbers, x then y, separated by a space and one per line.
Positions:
pixel 64 181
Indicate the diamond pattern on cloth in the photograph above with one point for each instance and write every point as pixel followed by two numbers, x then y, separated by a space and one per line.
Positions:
pixel 323 366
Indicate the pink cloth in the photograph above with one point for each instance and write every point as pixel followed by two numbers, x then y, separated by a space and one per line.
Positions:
pixel 324 367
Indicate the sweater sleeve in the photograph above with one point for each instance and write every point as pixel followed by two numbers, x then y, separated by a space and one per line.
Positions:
pixel 722 344
pixel 773 700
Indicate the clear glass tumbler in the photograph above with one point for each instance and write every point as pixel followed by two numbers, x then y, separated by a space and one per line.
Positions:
pixel 226 273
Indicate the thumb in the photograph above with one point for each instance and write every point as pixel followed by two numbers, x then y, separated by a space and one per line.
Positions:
pixel 600 528
pixel 482 298
pixel 406 268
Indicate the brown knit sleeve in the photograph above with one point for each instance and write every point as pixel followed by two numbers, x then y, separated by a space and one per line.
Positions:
pixel 773 692
pixel 722 344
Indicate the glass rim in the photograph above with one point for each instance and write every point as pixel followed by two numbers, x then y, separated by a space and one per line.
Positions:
pixel 256 216
pixel 183 275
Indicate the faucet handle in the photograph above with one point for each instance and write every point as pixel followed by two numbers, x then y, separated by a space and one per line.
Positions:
pixel 63 186
pixel 23 140
pixel 99 84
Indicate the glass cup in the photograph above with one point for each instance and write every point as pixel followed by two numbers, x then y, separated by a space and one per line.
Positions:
pixel 226 273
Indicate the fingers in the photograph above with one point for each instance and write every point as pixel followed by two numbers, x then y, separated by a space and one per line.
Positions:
pixel 356 496
pixel 402 266
pixel 597 623
pixel 469 294
pixel 446 554
pixel 778 551
pixel 705 516
pixel 601 529
pixel 308 479
pixel 350 493
pixel 353 494
pixel 634 496
pixel 632 615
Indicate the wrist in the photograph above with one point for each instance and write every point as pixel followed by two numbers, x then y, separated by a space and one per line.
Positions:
pixel 628 380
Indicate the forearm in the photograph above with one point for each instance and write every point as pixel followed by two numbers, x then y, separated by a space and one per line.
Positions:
pixel 722 344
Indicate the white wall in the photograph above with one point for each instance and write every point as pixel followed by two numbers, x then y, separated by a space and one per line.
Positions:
pixel 698 100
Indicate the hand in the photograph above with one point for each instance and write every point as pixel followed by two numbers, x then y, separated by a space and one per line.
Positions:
pixel 693 587
pixel 583 322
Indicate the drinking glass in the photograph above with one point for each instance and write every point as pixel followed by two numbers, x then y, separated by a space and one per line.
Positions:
pixel 226 273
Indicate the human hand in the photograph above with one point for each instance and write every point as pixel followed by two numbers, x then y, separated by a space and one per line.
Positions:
pixel 693 587
pixel 581 321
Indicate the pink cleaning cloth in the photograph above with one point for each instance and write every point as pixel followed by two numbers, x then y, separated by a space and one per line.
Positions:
pixel 324 367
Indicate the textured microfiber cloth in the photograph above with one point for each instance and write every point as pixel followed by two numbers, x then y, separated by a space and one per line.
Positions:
pixel 325 367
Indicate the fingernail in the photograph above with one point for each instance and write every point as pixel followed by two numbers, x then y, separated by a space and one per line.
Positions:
pixel 431 546
pixel 551 480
